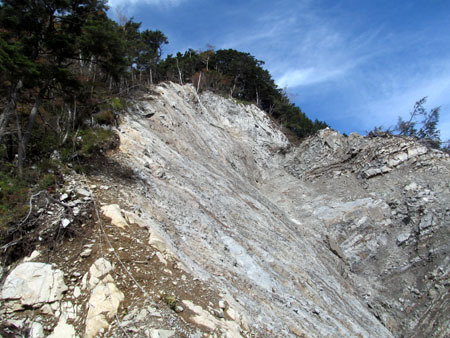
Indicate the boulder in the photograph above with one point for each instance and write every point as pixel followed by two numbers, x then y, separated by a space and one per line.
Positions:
pixel 100 268
pixel 161 333
pixel 63 330
pixel 33 284
pixel 113 211
pixel 103 305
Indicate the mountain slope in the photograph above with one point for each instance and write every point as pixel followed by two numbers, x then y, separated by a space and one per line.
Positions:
pixel 338 237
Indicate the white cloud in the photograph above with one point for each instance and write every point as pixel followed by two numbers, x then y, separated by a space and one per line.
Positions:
pixel 398 98
pixel 124 4
pixel 308 76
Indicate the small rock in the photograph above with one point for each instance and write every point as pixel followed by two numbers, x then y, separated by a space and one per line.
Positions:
pixel 103 305
pixel 222 304
pixel 161 333
pixel 76 292
pixel 411 186
pixel 63 330
pixel 65 222
pixel 100 268
pixel 83 192
pixel 36 330
pixel 86 253
pixel 178 309
pixel 33 255
pixel 63 197
pixel 231 313
pixel 155 313
pixel 76 211
pixel 402 238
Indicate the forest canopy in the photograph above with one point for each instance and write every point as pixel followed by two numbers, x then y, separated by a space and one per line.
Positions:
pixel 60 60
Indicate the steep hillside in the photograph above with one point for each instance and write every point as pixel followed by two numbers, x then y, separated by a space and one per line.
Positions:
pixel 214 224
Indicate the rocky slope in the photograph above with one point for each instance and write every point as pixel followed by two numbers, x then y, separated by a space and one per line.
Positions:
pixel 207 221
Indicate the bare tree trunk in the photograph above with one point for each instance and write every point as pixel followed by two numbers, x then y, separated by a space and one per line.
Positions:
pixel 198 83
pixel 10 109
pixel 68 126
pixel 271 109
pixel 74 117
pixel 179 73
pixel 27 133
pixel 234 85
pixel 19 141
pixel 257 98
pixel 151 77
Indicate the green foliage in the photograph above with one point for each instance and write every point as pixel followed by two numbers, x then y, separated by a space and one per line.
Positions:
pixel 93 140
pixel 241 76
pixel 117 103
pixel 421 125
pixel 13 195
pixel 65 62
pixel 170 300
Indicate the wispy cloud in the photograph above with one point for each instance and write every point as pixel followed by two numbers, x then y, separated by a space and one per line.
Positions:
pixel 404 91
pixel 124 4
pixel 380 71
pixel 300 46
pixel 353 65
pixel 308 76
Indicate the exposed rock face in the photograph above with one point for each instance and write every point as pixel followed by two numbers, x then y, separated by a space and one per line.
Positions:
pixel 33 285
pixel 217 226
pixel 342 236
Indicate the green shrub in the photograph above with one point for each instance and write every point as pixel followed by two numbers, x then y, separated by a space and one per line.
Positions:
pixel 117 103
pixel 13 199
pixel 171 301
pixel 93 140
pixel 104 117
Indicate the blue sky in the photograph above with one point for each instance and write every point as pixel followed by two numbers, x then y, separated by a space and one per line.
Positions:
pixel 354 64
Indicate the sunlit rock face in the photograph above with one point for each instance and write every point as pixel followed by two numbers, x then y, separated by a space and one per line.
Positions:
pixel 338 237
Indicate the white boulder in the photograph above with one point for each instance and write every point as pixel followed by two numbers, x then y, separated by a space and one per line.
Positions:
pixel 33 284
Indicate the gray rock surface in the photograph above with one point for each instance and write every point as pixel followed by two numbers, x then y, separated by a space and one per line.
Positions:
pixel 232 231
pixel 251 214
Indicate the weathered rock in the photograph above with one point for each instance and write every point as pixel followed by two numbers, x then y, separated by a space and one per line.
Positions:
pixel 35 254
pixel 402 238
pixel 100 268
pixel 86 253
pixel 113 211
pixel 103 304
pixel 161 333
pixel 36 330
pixel 33 284
pixel 63 330
pixel 157 242
pixel 204 318
pixel 221 189
pixel 83 192
pixel 76 291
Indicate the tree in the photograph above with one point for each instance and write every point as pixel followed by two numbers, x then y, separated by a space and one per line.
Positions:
pixel 40 42
pixel 150 51
pixel 428 132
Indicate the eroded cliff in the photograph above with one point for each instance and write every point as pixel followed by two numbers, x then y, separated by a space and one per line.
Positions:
pixel 220 226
